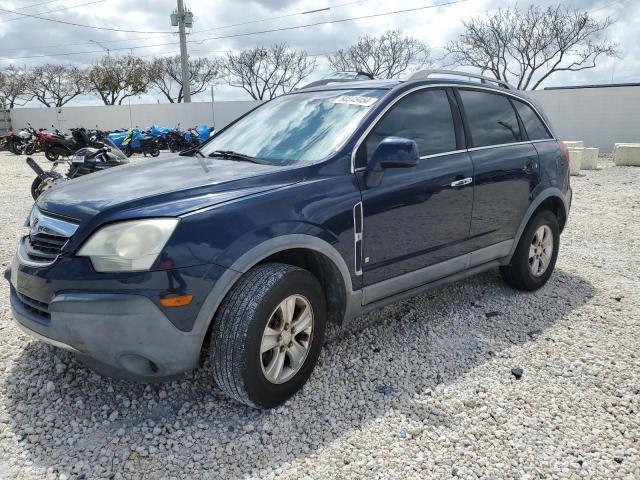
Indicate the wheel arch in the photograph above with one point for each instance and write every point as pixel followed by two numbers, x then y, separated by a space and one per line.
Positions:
pixel 305 251
pixel 552 199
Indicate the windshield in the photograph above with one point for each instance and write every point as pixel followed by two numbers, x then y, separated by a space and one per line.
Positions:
pixel 299 128
pixel 115 151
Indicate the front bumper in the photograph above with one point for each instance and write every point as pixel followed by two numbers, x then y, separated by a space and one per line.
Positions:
pixel 122 334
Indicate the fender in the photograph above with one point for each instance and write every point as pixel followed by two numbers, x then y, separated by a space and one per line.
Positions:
pixel 255 256
pixel 550 192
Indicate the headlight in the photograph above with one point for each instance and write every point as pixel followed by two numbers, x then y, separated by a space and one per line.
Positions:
pixel 128 246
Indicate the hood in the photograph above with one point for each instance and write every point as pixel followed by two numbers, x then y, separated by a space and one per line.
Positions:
pixel 171 186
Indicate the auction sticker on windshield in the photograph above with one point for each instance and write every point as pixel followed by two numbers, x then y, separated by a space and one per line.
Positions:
pixel 359 100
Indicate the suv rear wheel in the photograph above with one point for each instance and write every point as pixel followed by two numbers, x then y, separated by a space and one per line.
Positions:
pixel 267 335
pixel 535 257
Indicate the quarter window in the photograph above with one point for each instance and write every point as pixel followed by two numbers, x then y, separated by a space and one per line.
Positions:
pixel 491 118
pixel 532 124
pixel 424 117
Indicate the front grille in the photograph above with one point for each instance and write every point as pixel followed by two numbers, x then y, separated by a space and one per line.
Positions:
pixel 47 237
pixel 44 247
pixel 39 308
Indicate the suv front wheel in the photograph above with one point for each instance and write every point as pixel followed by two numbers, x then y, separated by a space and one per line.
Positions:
pixel 535 257
pixel 267 334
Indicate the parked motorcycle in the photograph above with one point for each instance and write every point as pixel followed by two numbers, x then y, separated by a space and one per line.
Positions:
pixel 176 141
pixel 22 142
pixel 137 142
pixel 83 162
pixel 5 140
pixel 56 145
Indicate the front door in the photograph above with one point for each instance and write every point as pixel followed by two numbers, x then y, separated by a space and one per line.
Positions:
pixel 417 217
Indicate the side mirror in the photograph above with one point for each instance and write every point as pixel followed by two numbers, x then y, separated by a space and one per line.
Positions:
pixel 391 152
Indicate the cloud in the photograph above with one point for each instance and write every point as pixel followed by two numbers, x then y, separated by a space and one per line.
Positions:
pixel 435 26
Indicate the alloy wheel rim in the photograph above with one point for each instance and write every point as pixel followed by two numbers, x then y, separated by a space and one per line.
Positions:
pixel 541 251
pixel 286 339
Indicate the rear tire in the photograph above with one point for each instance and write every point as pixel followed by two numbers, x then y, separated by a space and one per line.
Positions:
pixel 51 156
pixel 154 152
pixel 535 257
pixel 257 355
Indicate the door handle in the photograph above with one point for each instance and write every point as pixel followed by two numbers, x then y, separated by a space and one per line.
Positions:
pixel 462 183
pixel 530 167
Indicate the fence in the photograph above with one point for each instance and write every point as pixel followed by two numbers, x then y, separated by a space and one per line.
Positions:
pixel 600 116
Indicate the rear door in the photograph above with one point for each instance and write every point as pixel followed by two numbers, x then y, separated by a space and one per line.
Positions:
pixel 418 217
pixel 506 167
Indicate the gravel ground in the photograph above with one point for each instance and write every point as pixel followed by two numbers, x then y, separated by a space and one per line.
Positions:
pixel 421 389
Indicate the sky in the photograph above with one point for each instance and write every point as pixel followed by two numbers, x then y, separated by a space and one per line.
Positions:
pixel 233 25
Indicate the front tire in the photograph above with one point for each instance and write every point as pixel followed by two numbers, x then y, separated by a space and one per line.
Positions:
pixel 535 257
pixel 267 335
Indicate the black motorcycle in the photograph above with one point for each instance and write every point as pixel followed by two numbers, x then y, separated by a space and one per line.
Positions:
pixel 57 145
pixel 84 161
pixel 176 141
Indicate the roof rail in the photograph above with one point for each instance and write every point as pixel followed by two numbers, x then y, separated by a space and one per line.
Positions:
pixel 422 74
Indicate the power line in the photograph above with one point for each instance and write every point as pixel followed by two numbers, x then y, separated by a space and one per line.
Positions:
pixel 53 11
pixel 288 15
pixel 73 24
pixel 172 33
pixel 328 22
pixel 192 33
pixel 343 20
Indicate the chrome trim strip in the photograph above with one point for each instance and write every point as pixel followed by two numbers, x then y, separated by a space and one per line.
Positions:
pixel 357 237
pixel 434 155
pixel 47 224
pixel 486 147
pixel 445 85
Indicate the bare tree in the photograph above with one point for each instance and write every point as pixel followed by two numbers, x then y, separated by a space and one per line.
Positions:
pixel 165 76
pixel 55 85
pixel 13 87
pixel 527 47
pixel 386 56
pixel 266 72
pixel 115 79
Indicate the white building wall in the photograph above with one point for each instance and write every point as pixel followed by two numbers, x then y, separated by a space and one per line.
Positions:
pixel 113 117
pixel 599 116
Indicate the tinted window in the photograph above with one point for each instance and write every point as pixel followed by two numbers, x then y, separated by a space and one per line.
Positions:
pixel 424 117
pixel 492 120
pixel 532 123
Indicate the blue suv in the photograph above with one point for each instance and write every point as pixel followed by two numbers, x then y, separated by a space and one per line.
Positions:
pixel 315 207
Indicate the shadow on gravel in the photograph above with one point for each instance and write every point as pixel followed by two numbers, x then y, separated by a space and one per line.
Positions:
pixel 60 413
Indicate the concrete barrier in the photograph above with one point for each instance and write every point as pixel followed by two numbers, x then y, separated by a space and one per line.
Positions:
pixel 575 160
pixel 573 143
pixel 589 158
pixel 627 155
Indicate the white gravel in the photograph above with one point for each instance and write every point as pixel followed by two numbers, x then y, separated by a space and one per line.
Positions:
pixel 425 390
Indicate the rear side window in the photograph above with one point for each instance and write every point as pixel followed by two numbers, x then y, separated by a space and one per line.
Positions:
pixel 491 118
pixel 532 124
pixel 424 117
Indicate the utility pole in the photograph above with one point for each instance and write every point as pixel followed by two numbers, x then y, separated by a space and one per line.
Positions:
pixel 184 58
pixel 104 48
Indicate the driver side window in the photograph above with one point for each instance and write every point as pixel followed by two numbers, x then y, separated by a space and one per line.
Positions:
pixel 424 116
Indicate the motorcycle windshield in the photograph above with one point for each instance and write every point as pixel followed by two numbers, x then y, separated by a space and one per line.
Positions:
pixel 115 151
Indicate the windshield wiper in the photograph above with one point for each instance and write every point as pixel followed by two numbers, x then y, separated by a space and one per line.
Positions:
pixel 231 155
